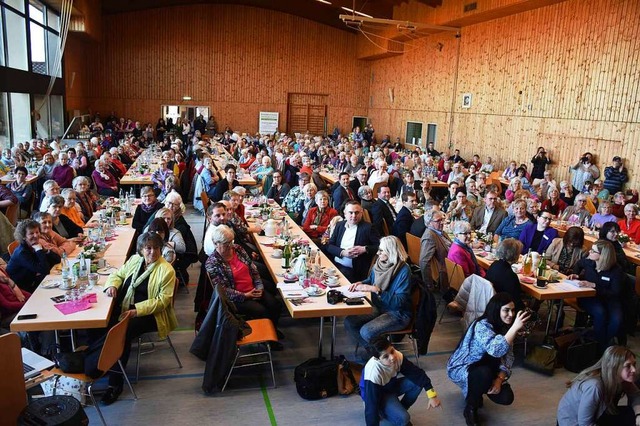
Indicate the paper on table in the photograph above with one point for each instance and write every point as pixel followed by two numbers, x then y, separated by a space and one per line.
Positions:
pixel 345 290
pixel 574 283
pixel 290 286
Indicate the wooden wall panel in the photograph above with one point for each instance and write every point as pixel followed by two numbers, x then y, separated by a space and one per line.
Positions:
pixel 75 73
pixel 564 76
pixel 238 60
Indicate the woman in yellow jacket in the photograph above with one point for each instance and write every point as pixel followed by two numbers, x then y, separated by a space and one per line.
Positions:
pixel 143 290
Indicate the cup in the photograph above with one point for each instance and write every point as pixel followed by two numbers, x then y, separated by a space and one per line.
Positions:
pixel 67 283
pixel 332 280
pixel 541 282
pixel 123 217
pixel 277 253
pixel 313 290
pixel 331 272
pixel 93 280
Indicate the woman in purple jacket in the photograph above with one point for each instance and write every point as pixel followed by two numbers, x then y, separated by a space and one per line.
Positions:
pixel 538 236
pixel 461 251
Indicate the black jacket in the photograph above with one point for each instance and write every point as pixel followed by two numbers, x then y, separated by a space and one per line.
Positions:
pixel 366 236
pixel 215 343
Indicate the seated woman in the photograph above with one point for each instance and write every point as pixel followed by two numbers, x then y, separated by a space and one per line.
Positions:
pixel 594 393
pixel 630 225
pixel 511 171
pixel 30 263
pixel 230 267
pixel 577 214
pixel 512 225
pixel 502 276
pixel 170 184
pixel 159 226
pixel 390 285
pixel 380 386
pixel 460 208
pixel 461 252
pixel 21 189
pixel 319 217
pixel 146 210
pixel 70 209
pixel 515 185
pixel 106 183
pixel 604 215
pixel 610 232
pixel 366 198
pixel 12 298
pixel 565 252
pixel 481 364
pixel 600 271
pixel 173 236
pixel 554 204
pixel 61 223
pixel 51 240
pixel 521 173
pixel 143 289
pixel 278 190
pixel 85 198
pixel 538 236
pixel 263 174
pixel 160 175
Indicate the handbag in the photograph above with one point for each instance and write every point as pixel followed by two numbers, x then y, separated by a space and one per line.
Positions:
pixel 542 358
pixel 347 383
pixel 582 353
pixel 70 362
pixel 316 378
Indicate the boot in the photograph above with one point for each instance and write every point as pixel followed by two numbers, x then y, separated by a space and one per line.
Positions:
pixel 471 415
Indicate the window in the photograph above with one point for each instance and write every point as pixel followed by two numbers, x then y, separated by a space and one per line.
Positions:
pixel 4 122
pixel 53 48
pixel 38 49
pixel 414 133
pixel 57 116
pixel 20 117
pixel 1 40
pixel 42 124
pixel 36 12
pixel 53 20
pixel 431 133
pixel 16 4
pixel 17 43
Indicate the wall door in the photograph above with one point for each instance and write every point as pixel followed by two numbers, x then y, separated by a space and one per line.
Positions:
pixel 307 112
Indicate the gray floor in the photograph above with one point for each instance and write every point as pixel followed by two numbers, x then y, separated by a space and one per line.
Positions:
pixel 171 395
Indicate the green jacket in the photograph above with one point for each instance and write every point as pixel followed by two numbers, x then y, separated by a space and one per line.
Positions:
pixel 161 285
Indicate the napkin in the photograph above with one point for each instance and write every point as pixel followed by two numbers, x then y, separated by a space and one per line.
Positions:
pixel 72 307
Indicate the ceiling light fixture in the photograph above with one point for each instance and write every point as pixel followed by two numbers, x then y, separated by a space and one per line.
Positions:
pixel 356 12
pixel 186 98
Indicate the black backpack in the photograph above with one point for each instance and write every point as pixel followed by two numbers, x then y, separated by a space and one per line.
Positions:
pixel 316 378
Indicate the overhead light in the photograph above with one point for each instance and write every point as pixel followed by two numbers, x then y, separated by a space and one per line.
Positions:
pixel 356 12
pixel 324 1
pixel 186 98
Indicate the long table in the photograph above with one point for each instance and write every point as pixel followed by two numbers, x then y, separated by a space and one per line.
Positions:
pixel 133 177
pixel 245 180
pixel 631 250
pixel 554 291
pixel 50 318
pixel 6 179
pixel 318 307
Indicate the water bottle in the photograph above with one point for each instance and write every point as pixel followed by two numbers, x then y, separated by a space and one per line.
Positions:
pixel 64 266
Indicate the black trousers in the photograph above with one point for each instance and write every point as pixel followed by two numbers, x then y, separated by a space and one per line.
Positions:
pixel 265 307
pixel 481 377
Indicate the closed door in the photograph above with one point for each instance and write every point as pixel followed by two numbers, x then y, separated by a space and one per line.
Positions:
pixel 307 112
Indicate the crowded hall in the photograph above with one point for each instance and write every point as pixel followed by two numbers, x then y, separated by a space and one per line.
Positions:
pixel 380 212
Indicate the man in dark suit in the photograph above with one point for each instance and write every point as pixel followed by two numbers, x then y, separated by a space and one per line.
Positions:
pixel 353 243
pixel 404 220
pixel 487 218
pixel 434 244
pixel 382 210
pixel 362 177
pixel 343 192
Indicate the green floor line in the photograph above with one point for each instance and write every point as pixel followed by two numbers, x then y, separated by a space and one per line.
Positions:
pixel 267 403
pixel 184 329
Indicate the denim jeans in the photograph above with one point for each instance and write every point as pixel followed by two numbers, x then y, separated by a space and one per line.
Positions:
pixel 607 318
pixel 395 410
pixel 365 328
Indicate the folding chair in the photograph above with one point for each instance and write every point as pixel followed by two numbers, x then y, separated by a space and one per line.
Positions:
pixel 410 329
pixel 456 277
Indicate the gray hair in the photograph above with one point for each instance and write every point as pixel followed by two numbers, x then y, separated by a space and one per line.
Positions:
pixel 460 227
pixel 67 191
pixel 363 190
pixel 321 194
pixel 175 197
pixel 98 162
pixel 78 180
pixel 21 230
pixel 150 238
pixel 310 185
pixel 49 184
pixel 430 213
pixel 56 200
pixel 509 250
pixel 222 234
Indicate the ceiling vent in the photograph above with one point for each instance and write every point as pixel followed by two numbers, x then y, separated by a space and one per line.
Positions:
pixel 471 6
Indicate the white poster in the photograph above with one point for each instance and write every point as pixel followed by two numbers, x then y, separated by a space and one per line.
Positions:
pixel 268 122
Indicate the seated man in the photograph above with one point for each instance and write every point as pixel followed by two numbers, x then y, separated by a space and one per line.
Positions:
pixel 380 385
pixel 353 243
pixel 404 220
pixel 342 192
pixel 382 210
pixel 434 244
pixel 486 218
pixel 51 189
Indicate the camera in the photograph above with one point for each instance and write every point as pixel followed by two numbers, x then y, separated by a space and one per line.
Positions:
pixel 584 159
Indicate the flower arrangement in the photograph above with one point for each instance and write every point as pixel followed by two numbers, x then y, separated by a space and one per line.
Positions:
pixel 92 251
pixel 623 238
pixel 143 167
pixel 265 211
pixel 299 246
pixel 486 238
pixel 329 167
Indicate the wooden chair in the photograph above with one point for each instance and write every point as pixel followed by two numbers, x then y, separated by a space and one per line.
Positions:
pixel 12 212
pixel 413 248
pixel 410 329
pixel 109 356
pixel 385 228
pixel 205 201
pixel 376 188
pixel 152 339
pixel 262 332
pixel 494 177
pixel 365 215
pixel 13 395
pixel 12 247
pixel 456 277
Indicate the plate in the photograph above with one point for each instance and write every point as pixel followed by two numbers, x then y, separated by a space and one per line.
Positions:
pixel 50 284
pixel 541 288
pixel 321 292
pixel 276 257
pixel 105 271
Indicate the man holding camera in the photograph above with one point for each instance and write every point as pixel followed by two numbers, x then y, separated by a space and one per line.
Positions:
pixel 584 170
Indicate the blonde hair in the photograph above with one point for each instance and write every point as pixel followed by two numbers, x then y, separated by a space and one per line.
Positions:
pixel 392 246
pixel 607 259
pixel 164 211
pixel 608 369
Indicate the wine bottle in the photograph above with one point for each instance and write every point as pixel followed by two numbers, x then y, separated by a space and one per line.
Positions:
pixel 286 256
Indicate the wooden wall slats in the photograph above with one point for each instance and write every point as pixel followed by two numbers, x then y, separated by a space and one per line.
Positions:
pixel 222 55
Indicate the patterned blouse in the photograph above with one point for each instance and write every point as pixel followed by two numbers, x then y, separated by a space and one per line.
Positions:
pixel 479 339
pixel 221 274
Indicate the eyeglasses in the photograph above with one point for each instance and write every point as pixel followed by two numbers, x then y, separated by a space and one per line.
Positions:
pixel 436 221
pixel 594 251
pixel 545 217
pixel 464 233
pixel 227 244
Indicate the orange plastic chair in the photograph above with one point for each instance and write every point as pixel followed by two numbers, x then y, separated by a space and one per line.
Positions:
pixel 12 247
pixel 13 395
